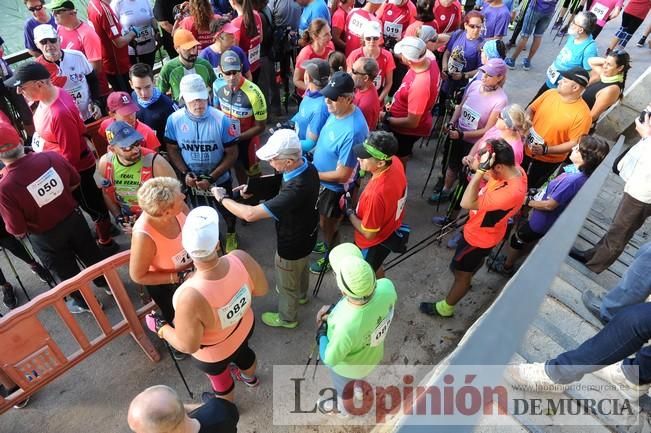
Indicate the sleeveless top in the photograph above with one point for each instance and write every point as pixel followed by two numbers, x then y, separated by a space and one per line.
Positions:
pixel 123 181
pixel 590 93
pixel 170 254
pixel 230 301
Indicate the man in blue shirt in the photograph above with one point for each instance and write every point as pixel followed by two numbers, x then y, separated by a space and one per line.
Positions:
pixel 313 112
pixel 202 145
pixel 333 156
pixel 40 15
pixel 312 9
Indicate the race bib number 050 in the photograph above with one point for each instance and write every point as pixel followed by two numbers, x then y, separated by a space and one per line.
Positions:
pixel 552 74
pixel 46 188
pixel 233 312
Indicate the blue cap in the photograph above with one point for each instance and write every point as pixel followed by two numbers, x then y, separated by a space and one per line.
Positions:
pixel 122 134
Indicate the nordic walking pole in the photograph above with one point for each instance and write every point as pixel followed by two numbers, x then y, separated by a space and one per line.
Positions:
pixel 11 265
pixel 309 358
pixel 50 282
pixel 176 364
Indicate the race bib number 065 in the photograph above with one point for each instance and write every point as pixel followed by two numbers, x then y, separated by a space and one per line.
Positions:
pixel 233 312
pixel 46 188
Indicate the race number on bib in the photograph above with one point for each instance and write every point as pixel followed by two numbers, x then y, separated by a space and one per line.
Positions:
pixel 254 54
pixel 599 10
pixel 534 138
pixel 455 66
pixel 181 259
pixel 392 30
pixel 145 33
pixel 232 312
pixel 377 81
pixel 46 188
pixel 401 205
pixel 37 142
pixel 380 333
pixel 356 25
pixel 469 118
pixel 553 74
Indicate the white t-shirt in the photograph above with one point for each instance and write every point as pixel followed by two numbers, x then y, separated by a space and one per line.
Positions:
pixel 74 66
pixel 138 14
pixel 635 169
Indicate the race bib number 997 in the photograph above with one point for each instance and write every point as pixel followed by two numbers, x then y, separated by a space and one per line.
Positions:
pixel 46 188
pixel 233 312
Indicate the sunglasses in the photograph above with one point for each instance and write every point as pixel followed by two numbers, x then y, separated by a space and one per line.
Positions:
pixel 35 8
pixel 475 26
pixel 372 38
pixel 358 72
pixel 130 148
pixel 48 41
pixel 229 73
pixel 61 11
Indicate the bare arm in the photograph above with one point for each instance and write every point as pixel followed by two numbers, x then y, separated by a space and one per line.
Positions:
pixel 604 100
pixel 545 205
pixel 162 168
pixel 340 175
pixel 299 74
pixel 411 121
pixel 470 199
pixel 255 130
pixel 388 82
pixel 124 40
pixel 143 251
pixel 174 154
pixel 357 224
pixel 188 325
pixel 245 212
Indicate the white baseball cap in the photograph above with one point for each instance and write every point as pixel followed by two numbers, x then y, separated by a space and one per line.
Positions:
pixel 411 47
pixel 192 87
pixel 427 33
pixel 282 142
pixel 371 29
pixel 376 2
pixel 200 234
pixel 44 31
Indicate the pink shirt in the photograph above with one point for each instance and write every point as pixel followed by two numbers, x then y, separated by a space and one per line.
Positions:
pixel 170 254
pixel 517 145
pixel 308 53
pixel 603 8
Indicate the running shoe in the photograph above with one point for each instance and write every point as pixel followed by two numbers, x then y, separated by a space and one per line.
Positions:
pixel 9 296
pixel 319 247
pixel 440 220
pixel 231 242
pixel 454 240
pixel 614 374
pixel 526 64
pixel 500 268
pixel 510 63
pixel 641 42
pixel 77 307
pixel 440 197
pixel 533 377
pixel 237 375
pixel 431 309
pixel 316 267
pixel 557 24
pixel 274 320
pixel 42 273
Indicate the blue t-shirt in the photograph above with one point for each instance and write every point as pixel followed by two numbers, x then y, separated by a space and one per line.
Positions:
pixel 545 7
pixel 465 55
pixel 202 140
pixel 496 20
pixel 28 33
pixel 507 3
pixel 336 142
pixel 562 189
pixel 312 114
pixel 571 56
pixel 316 9
pixel 213 58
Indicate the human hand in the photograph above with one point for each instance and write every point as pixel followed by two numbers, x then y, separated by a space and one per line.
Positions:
pixel 242 190
pixel 94 110
pixel 456 76
pixel 644 128
pixel 219 193
pixel 454 134
pixel 346 204
pixel 191 180
pixel 203 184
pixel 536 149
pixel 322 315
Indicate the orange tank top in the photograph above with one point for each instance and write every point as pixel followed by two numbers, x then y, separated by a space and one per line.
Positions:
pixel 170 255
pixel 230 301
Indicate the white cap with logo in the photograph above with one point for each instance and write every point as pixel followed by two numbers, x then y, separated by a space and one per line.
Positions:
pixel 192 87
pixel 371 29
pixel 282 142
pixel 411 47
pixel 44 31
pixel 200 234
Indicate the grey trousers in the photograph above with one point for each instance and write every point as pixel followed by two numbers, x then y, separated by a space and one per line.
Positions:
pixel 292 281
pixel 629 217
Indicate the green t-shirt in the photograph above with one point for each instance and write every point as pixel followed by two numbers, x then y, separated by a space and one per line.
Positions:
pixel 356 332
pixel 173 71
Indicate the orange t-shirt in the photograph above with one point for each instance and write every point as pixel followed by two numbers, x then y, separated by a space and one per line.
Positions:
pixel 556 122
pixel 499 200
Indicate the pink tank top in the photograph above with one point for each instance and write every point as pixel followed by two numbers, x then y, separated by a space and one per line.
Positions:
pixel 230 301
pixel 170 255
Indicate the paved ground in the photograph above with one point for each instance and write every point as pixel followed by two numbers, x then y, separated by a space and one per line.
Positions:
pixel 94 395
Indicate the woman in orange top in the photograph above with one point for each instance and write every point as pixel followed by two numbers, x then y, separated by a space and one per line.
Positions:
pixel 214 319
pixel 157 255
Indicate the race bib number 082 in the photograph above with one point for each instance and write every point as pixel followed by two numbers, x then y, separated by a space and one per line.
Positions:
pixel 380 332
pixel 233 312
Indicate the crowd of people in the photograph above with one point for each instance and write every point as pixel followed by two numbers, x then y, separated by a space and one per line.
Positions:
pixel 176 152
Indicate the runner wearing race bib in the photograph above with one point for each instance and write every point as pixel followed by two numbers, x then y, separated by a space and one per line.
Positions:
pixel 352 332
pixel 249 35
pixel 395 16
pixel 355 23
pixel 138 16
pixel 214 316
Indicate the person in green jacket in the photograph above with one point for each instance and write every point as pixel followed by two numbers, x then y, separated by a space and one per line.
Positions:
pixel 351 332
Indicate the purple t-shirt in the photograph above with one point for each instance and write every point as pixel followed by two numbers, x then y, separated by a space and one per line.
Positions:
pixel 496 20
pixel 545 7
pixel 464 54
pixel 477 108
pixel 562 189
pixel 28 33
pixel 213 57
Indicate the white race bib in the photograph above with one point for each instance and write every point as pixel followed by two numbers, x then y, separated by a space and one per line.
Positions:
pixel 181 259
pixel 599 10
pixel 232 312
pixel 541 193
pixel 552 74
pixel 377 81
pixel 46 188
pixel 534 138
pixel 469 118
pixel 37 142
pixel 146 33
pixel 356 25
pixel 401 205
pixel 392 30
pixel 254 54
pixel 380 333
pixel 455 66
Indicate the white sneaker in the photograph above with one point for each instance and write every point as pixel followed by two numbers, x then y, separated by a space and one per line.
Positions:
pixel 531 378
pixel 614 374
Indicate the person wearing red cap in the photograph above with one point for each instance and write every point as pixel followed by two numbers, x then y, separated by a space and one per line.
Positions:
pixel 122 108
pixel 59 128
pixel 37 199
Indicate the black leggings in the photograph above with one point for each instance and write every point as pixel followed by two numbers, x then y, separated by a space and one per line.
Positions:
pixel 162 295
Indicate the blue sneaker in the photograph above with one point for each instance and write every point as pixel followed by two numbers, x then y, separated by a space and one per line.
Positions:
pixel 440 220
pixel 510 63
pixel 454 240
pixel 526 64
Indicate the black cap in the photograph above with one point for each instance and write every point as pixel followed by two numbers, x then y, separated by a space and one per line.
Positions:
pixel 339 83
pixel 579 75
pixel 381 145
pixel 31 71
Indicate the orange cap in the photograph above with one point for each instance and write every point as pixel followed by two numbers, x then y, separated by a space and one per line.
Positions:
pixel 184 39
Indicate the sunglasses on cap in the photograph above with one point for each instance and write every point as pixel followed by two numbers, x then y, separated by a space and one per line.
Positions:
pixel 35 8
pixel 48 41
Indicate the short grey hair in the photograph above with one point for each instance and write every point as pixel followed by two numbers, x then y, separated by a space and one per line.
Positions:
pixel 370 67
pixel 294 156
pixel 13 153
pixel 588 20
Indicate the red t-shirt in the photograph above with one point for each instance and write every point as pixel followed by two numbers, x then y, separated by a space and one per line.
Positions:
pixel 61 130
pixel 498 201
pixel 638 8
pixel 395 19
pixel 115 61
pixel 204 37
pixel 384 61
pixel 307 53
pixel 250 45
pixel 369 102
pixel 36 192
pixel 448 19
pixel 355 22
pixel 381 205
pixel 339 19
pixel 417 95
pixel 151 141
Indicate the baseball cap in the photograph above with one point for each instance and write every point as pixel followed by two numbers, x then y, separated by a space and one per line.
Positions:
pixel 577 74
pixel 376 2
pixel 184 39
pixel 282 142
pixel 319 71
pixel 121 103
pixel 121 134
pixel 60 4
pixel 200 234
pixel 30 71
pixel 495 67
pixel 381 150
pixel 339 83
pixel 9 137
pixel 230 61
pixel 355 277
pixel 229 27
pixel 371 29
pixel 411 47
pixel 192 88
pixel 44 31
pixel 427 33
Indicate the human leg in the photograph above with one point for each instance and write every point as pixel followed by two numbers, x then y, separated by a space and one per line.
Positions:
pixel 90 198
pixel 537 40
pixel 162 295
pixel 292 287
